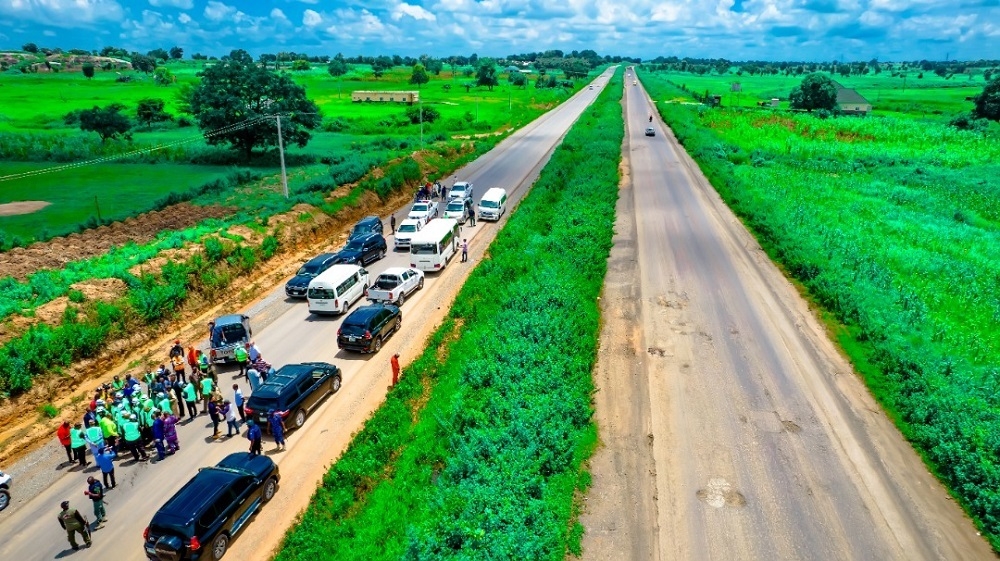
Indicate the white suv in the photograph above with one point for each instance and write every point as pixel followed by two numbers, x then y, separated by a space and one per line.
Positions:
pixel 4 490
pixel 407 229
pixel 461 190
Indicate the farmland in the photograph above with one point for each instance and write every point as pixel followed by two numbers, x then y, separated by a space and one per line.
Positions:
pixel 889 224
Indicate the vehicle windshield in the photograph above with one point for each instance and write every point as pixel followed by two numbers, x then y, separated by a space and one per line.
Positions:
pixel 456 207
pixel 260 403
pixel 408 228
pixel 309 270
pixel 419 207
pixel 386 282
pixel 353 246
pixel 423 249
pixel 489 204
pixel 227 334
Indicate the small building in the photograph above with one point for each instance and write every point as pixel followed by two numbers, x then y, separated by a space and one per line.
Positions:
pixel 850 102
pixel 407 97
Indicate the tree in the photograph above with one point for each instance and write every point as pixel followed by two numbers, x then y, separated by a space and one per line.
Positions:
pixel 518 79
pixel 380 65
pixel 338 67
pixel 434 66
pixel 987 103
pixel 158 54
pixel 183 96
pixel 88 69
pixel 108 122
pixel 163 76
pixel 301 65
pixel 30 47
pixel 240 96
pixel 486 73
pixel 150 110
pixel 815 92
pixel 143 63
pixel 176 53
pixel 429 114
pixel 419 76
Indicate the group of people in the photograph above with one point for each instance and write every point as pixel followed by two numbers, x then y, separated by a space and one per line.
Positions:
pixel 429 190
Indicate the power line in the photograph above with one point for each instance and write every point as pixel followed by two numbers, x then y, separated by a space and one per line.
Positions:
pixel 105 159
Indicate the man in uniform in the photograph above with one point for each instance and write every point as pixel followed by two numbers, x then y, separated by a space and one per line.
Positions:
pixel 253 435
pixel 72 521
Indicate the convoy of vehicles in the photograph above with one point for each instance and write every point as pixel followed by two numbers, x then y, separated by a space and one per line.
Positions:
pixel 406 231
pixel 336 289
pixel 423 211
pixel 395 284
pixel 433 246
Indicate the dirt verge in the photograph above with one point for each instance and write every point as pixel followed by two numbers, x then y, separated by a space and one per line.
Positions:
pixel 22 207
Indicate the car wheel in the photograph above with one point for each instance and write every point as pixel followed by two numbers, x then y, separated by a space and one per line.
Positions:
pixel 219 546
pixel 420 283
pixel 343 307
pixel 401 299
pixel 335 384
pixel 300 418
pixel 269 487
pixel 382 255
pixel 399 324
pixel 4 498
pixel 378 345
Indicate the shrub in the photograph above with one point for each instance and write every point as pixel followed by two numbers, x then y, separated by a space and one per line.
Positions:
pixel 48 411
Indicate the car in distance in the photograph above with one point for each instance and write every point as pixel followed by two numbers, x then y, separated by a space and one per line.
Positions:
pixel 362 250
pixel 423 211
pixel 367 225
pixel 228 332
pixel 458 209
pixel 650 131
pixel 297 287
pixel 5 483
pixel 210 510
pixel 367 326
pixel 461 190
pixel 395 284
pixel 293 391
pixel 405 232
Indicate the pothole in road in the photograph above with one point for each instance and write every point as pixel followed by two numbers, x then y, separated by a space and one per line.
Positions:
pixel 719 493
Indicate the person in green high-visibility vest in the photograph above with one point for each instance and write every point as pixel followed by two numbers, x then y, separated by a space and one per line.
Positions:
pixel 206 390
pixel 242 354
pixel 133 438
pixel 191 399
pixel 78 441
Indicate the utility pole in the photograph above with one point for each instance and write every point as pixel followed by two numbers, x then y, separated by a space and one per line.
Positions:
pixel 281 153
pixel 421 100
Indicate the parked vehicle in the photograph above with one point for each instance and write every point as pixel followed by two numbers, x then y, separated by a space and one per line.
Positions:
pixel 493 204
pixel 423 211
pixel 433 246
pixel 367 225
pixel 362 250
pixel 293 391
pixel 5 483
pixel 395 284
pixel 407 229
pixel 458 209
pixel 297 287
pixel 461 190
pixel 333 291
pixel 201 518
pixel 650 131
pixel 368 326
pixel 229 332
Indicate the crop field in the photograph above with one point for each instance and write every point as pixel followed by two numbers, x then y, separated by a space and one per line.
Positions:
pixel 924 97
pixel 892 225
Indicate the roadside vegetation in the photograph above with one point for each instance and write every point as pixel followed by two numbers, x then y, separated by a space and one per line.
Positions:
pixel 478 452
pixel 892 225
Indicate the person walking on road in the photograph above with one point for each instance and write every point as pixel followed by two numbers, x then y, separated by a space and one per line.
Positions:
pixel 96 493
pixel 65 442
pixel 392 223
pixel 79 443
pixel 170 432
pixel 394 361
pixel 73 522
pixel 206 390
pixel 133 438
pixel 191 399
pixel 254 436
pixel 242 355
pixel 105 459
pixel 232 425
pixel 277 423
pixel 238 402
pixel 465 250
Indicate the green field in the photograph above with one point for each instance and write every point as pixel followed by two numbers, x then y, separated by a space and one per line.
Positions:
pixel 892 224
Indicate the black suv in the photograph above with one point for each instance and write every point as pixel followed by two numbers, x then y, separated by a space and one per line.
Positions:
pixel 362 250
pixel 294 390
pixel 299 284
pixel 367 225
pixel 207 512
pixel 367 326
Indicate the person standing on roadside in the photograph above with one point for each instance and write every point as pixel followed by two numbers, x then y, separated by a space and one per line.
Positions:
pixel 242 355
pixel 253 351
pixel 73 522
pixel 78 441
pixel 392 223
pixel 105 460
pixel 213 412
pixel 394 362
pixel 472 214
pixel 158 435
pixel 177 363
pixel 94 436
pixel 191 399
pixel 465 250
pixel 206 390
pixel 192 359
pixel 170 432
pixel 65 442
pixel 238 402
pixel 254 436
pixel 232 425
pixel 95 491
pixel 253 377
pixel 177 387
pixel 133 438
pixel 277 423
pixel 110 431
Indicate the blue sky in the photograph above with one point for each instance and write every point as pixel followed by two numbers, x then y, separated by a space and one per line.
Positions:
pixel 812 30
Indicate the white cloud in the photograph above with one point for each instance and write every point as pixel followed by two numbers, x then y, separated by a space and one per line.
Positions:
pixel 217 11
pixel 61 13
pixel 182 4
pixel 415 12
pixel 311 18
pixel 49 33
pixel 277 14
pixel 184 18
pixel 308 1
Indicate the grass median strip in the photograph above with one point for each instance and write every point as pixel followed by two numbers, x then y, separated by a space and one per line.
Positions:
pixel 488 468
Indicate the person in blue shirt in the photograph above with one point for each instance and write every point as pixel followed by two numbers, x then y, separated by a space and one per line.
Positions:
pixel 277 428
pixel 105 460
pixel 254 436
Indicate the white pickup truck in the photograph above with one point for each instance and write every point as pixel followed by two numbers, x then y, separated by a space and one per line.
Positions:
pixel 395 284
pixel 423 211
pixel 407 229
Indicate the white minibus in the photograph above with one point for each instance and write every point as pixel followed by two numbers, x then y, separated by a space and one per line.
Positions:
pixel 432 247
pixel 336 288
pixel 493 204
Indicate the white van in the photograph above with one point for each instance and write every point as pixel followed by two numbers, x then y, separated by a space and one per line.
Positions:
pixel 336 288
pixel 433 246
pixel 493 204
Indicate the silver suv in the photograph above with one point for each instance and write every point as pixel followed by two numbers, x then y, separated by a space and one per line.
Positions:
pixel 461 190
